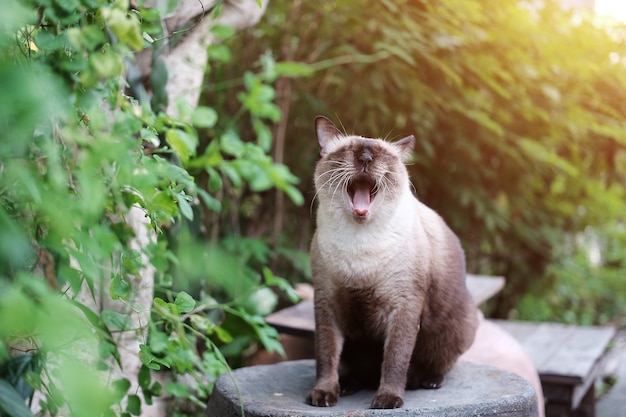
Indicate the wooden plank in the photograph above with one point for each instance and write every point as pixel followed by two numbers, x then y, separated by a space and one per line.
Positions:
pixel 561 352
pixel 299 320
pixel 521 330
pixel 580 353
pixel 483 287
pixel 580 357
pixel 587 388
pixel 542 343
pixel 565 356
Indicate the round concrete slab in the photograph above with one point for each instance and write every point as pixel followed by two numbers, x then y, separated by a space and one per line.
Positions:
pixel 279 391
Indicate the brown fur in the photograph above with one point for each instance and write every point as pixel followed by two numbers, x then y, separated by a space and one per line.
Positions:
pixel 392 309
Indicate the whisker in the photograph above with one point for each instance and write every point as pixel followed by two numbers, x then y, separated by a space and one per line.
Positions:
pixel 336 175
pixel 340 184
pixel 313 203
pixel 413 188
pixel 334 179
pixel 333 174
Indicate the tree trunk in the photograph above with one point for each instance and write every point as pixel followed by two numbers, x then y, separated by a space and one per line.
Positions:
pixel 186 61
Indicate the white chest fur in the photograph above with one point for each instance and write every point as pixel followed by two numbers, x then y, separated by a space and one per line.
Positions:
pixel 359 253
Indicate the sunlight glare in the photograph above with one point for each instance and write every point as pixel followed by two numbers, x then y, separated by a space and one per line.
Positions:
pixel 613 8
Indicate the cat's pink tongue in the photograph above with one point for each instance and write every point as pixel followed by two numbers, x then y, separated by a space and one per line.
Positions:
pixel 361 199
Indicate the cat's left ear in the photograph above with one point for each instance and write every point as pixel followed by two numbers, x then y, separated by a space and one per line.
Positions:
pixel 326 131
pixel 405 147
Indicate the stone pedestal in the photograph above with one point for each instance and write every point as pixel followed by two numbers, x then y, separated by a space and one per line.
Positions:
pixel 279 390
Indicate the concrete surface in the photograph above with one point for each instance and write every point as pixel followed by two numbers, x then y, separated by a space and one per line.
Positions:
pixel 279 390
pixel 493 346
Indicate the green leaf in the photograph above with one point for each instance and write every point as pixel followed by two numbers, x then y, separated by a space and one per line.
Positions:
pixel 144 377
pixel 233 175
pixel 88 37
pixel 210 158
pixel 124 26
pixel 120 288
pixel 15 248
pixel 177 390
pixel 158 341
pixel 16 15
pixel 71 276
pixel 258 177
pixel 540 152
pixel 19 368
pixel 294 194
pixel 115 320
pixel 107 348
pixel 88 267
pixel 211 202
pixel 166 309
pixel 184 206
pixel 219 52
pixel 282 284
pixel 223 335
pixel 11 403
pixel 203 117
pixel 485 120
pixel 183 108
pixel 185 302
pixel 68 5
pixel 120 388
pixel 183 143
pixel 201 323
pixel 223 32
pixel 261 302
pixel 263 134
pixel 147 358
pixel 231 143
pixel 215 180
pixel 269 338
pixel 133 405
pixel 156 389
pixel 293 69
pixel 399 51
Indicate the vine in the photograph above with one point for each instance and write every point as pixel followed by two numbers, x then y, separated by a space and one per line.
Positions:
pixel 99 195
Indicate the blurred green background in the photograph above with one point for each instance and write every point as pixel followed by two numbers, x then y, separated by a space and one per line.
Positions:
pixel 520 116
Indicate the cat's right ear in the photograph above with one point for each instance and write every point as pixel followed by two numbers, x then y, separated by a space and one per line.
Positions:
pixel 326 131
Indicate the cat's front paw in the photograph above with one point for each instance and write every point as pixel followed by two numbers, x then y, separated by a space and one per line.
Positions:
pixel 322 397
pixel 416 381
pixel 385 400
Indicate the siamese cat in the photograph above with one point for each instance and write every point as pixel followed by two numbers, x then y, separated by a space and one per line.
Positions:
pixel 392 311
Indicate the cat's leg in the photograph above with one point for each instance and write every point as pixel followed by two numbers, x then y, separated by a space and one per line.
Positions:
pixel 436 351
pixel 328 344
pixel 435 354
pixel 399 344
pixel 432 359
pixel 425 375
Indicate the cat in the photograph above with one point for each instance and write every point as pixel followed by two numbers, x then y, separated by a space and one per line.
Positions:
pixel 392 310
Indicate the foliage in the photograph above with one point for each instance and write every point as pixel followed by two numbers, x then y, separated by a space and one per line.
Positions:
pixel 78 153
pixel 518 108
pixel 588 281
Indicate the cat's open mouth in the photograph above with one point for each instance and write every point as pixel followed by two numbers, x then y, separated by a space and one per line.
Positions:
pixel 361 192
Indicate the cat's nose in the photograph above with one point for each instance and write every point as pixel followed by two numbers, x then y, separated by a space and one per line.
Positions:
pixel 366 157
